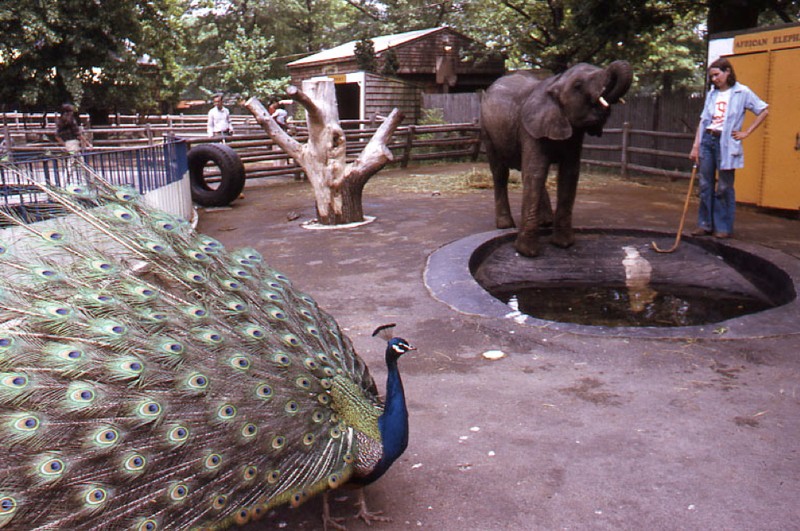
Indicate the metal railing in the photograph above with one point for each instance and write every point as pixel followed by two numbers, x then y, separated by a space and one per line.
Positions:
pixel 145 169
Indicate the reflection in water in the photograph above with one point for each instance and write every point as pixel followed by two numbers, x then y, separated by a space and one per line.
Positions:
pixel 637 279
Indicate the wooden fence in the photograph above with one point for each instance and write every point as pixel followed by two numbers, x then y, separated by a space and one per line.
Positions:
pixel 628 148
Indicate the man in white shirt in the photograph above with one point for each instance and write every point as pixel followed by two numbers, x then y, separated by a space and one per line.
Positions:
pixel 219 119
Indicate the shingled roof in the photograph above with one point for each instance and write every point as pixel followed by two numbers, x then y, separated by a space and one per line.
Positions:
pixel 347 50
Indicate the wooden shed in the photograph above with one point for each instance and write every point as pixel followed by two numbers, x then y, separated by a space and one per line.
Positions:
pixel 434 60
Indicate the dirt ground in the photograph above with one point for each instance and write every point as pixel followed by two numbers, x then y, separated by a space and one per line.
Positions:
pixel 566 431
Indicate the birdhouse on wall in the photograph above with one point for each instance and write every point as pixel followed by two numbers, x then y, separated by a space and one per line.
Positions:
pixel 446 65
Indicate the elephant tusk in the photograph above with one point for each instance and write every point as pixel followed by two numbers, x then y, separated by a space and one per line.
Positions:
pixel 602 101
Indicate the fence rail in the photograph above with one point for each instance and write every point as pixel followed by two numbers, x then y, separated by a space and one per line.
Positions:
pixel 627 148
pixel 625 151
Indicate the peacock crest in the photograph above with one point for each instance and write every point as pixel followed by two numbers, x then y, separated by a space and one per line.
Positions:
pixel 150 379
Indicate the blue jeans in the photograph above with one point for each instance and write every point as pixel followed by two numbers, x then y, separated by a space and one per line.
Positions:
pixel 717 204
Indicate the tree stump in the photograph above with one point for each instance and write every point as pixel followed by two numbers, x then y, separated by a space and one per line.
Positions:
pixel 337 184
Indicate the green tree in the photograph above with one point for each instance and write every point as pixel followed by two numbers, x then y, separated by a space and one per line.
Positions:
pixel 112 54
pixel 365 55
pixel 249 66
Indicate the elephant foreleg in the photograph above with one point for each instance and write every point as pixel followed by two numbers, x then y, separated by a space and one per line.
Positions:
pixel 502 209
pixel 534 174
pixel 568 174
pixel 545 208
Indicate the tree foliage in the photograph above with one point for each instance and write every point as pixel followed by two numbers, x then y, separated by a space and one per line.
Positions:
pixel 137 54
pixel 365 55
pixel 100 54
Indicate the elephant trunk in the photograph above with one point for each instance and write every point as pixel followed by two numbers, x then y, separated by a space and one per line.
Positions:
pixel 619 76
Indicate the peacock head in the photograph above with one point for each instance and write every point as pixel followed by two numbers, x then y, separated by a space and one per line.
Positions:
pixel 397 347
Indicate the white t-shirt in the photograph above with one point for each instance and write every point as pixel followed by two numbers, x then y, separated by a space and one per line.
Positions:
pixel 219 121
pixel 720 110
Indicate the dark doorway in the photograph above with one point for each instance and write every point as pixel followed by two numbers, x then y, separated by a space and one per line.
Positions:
pixel 348 97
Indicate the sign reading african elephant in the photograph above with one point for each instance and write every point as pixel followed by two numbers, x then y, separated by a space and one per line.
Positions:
pixel 528 124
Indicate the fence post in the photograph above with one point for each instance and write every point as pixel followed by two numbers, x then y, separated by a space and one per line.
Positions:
pixel 409 145
pixel 149 131
pixel 477 150
pixel 626 132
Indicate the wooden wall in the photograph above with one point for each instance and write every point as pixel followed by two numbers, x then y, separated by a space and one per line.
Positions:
pixel 383 94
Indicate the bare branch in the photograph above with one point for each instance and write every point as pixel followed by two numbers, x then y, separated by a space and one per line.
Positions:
pixel 291 146
pixel 315 116
pixel 375 154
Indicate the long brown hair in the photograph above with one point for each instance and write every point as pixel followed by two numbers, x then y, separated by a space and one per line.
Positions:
pixel 723 64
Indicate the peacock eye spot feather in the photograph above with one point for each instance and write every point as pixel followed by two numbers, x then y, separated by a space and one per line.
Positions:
pixel 264 391
pixel 95 496
pixel 311 364
pixel 219 502
pixel 308 439
pixel 178 435
pixel 303 383
pixel 27 423
pixel 6 342
pixel 249 430
pixel 324 399
pixel 52 468
pixel 213 461
pixel 278 442
pixel 317 416
pixel 291 407
pixel 335 432
pixel 197 382
pixel 8 505
pixel 348 458
pixel 178 492
pixel 249 472
pixel 14 380
pixel 291 340
pixel 240 363
pixel 148 525
pixel 74 354
pixel 226 412
pixel 135 463
pixel 273 477
pixel 107 437
pixel 281 359
pixel 334 480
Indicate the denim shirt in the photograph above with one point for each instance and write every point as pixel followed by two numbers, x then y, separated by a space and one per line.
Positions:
pixel 731 153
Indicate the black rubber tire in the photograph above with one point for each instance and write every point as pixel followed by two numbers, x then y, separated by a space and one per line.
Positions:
pixel 231 170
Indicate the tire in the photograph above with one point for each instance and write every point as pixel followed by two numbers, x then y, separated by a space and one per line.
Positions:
pixel 231 169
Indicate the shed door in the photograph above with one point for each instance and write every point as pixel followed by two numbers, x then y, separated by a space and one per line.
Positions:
pixel 348 96
pixel 782 169
pixel 753 71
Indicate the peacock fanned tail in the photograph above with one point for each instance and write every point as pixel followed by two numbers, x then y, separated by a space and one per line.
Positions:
pixel 150 379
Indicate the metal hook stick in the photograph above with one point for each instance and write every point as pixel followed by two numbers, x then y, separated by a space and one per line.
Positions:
pixel 683 216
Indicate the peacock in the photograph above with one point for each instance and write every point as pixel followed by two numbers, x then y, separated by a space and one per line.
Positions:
pixel 150 379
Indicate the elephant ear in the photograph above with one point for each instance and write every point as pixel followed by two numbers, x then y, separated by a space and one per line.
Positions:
pixel 542 116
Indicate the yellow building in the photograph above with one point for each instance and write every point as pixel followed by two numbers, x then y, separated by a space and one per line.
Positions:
pixel 768 61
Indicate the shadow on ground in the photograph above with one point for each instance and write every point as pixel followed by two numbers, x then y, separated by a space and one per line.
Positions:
pixel 567 431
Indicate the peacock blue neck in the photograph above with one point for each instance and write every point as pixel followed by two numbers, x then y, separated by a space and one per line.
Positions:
pixel 393 423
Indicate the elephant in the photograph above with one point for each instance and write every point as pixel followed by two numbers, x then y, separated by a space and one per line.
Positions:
pixel 529 123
